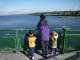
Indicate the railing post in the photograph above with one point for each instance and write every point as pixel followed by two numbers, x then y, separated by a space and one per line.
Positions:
pixel 63 38
pixel 17 39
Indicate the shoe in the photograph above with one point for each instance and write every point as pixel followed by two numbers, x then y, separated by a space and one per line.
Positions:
pixel 45 57
pixel 33 58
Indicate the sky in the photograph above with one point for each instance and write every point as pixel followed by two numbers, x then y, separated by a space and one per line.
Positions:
pixel 30 6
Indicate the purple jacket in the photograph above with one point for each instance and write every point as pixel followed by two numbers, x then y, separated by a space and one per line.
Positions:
pixel 44 30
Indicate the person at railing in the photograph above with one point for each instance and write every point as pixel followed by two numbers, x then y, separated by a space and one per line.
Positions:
pixel 32 44
pixel 44 34
pixel 54 38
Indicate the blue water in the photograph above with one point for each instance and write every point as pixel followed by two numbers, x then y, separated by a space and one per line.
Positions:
pixel 30 21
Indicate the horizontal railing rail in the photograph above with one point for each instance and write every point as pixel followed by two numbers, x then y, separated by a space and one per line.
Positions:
pixel 13 40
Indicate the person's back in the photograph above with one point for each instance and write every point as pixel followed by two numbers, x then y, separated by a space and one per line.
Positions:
pixel 44 34
pixel 54 38
pixel 31 43
pixel 44 28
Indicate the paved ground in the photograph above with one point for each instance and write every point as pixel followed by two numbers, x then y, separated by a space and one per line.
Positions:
pixel 22 56
pixel 69 56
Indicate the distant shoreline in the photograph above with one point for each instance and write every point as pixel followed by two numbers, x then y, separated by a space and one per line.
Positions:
pixel 59 13
pixel 54 13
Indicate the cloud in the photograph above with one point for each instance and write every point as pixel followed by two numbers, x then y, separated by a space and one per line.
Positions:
pixel 23 11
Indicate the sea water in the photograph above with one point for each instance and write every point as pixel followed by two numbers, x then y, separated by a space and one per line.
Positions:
pixel 30 21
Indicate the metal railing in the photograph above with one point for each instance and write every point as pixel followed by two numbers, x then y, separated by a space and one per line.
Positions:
pixel 71 39
pixel 13 40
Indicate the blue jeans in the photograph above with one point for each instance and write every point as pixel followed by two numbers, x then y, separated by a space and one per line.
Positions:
pixel 54 50
pixel 32 51
pixel 45 47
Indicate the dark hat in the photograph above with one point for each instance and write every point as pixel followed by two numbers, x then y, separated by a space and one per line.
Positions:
pixel 30 32
pixel 42 16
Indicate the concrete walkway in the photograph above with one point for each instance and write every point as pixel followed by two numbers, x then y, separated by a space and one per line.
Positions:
pixel 22 56
pixel 69 56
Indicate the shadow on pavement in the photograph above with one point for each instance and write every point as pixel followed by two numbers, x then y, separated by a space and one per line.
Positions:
pixel 74 57
pixel 49 57
pixel 26 54
pixel 38 52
